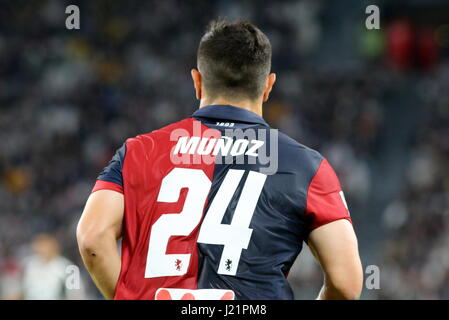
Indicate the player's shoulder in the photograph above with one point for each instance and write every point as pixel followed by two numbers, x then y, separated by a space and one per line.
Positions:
pixel 150 139
pixel 294 153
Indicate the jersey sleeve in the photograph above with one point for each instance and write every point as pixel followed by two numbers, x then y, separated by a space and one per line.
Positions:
pixel 325 199
pixel 111 177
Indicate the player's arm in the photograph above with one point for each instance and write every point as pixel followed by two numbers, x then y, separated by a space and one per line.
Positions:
pixel 98 231
pixel 332 239
pixel 335 247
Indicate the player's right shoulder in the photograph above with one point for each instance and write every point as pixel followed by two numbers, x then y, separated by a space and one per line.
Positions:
pixel 149 141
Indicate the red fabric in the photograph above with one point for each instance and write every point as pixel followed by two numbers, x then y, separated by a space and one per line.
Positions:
pixel 427 48
pixel 400 44
pixel 106 185
pixel 324 202
pixel 147 162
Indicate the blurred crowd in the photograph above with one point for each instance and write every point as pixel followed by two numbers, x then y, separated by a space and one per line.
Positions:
pixel 68 99
pixel 416 259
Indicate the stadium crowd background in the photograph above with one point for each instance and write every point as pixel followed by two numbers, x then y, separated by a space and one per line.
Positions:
pixel 374 102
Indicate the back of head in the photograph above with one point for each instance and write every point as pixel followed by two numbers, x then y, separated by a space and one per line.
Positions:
pixel 234 59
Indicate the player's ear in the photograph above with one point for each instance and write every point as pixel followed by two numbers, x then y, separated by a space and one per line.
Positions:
pixel 196 77
pixel 271 79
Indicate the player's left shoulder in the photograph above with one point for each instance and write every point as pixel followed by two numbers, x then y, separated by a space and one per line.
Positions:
pixel 294 153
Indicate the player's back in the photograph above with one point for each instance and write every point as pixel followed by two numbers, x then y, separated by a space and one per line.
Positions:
pixel 218 200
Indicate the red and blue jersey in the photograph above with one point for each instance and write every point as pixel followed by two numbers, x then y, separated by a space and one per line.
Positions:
pixel 218 201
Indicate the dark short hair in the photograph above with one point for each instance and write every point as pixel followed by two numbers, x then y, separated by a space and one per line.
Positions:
pixel 234 58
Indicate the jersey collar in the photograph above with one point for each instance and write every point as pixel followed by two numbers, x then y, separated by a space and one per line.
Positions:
pixel 228 112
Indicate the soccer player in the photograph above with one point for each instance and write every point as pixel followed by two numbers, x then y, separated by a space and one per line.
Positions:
pixel 218 200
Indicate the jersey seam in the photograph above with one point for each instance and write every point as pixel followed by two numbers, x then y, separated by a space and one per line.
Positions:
pixel 310 183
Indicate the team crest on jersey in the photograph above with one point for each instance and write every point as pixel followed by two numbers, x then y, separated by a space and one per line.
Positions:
pixel 178 264
pixel 228 264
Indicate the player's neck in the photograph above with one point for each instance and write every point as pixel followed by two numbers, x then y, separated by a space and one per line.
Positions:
pixel 253 106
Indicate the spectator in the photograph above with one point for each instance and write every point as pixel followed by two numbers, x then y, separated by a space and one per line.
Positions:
pixel 46 272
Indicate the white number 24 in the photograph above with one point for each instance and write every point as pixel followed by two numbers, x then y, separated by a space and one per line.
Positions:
pixel 234 237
